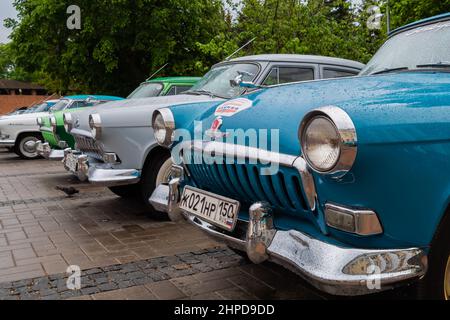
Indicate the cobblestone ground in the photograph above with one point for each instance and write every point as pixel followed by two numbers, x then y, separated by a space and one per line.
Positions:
pixel 122 251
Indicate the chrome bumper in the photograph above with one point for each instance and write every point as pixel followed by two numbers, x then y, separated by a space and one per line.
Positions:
pixel 7 143
pixel 98 173
pixel 330 268
pixel 44 150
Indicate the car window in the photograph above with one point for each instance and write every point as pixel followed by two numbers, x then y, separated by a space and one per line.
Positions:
pixel 146 90
pixel 177 90
pixel 278 75
pixel 217 80
pixel 181 89
pixel 60 105
pixel 334 73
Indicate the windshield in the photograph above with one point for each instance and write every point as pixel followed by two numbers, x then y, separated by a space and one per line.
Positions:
pixel 146 90
pixel 42 107
pixel 427 45
pixel 60 105
pixel 217 81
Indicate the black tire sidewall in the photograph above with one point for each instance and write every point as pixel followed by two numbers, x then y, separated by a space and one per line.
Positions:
pixel 149 175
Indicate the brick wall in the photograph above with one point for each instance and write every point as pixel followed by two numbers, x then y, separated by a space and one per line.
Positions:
pixel 11 102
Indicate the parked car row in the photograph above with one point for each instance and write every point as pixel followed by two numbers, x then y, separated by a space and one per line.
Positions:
pixel 336 170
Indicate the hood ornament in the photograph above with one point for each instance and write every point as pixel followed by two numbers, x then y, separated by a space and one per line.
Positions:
pixel 214 131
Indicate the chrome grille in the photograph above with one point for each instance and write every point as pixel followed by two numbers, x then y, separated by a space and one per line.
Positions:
pixel 89 147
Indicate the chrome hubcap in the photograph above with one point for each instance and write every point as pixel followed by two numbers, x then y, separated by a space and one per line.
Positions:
pixel 447 280
pixel 164 172
pixel 30 146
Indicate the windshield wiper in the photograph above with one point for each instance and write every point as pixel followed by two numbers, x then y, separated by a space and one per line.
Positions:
pixel 387 70
pixel 206 92
pixel 434 65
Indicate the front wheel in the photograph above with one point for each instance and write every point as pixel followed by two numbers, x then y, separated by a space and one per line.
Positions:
pixel 26 146
pixel 126 192
pixel 436 283
pixel 156 171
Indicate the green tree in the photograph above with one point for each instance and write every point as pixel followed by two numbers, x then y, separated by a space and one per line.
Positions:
pixel 119 44
pixel 406 11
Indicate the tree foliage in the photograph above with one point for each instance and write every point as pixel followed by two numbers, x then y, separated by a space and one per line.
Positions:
pixel 122 41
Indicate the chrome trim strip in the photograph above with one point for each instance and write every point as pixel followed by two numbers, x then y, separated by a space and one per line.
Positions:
pixel 7 143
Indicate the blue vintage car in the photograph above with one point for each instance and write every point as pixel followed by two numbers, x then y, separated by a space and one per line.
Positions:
pixel 346 182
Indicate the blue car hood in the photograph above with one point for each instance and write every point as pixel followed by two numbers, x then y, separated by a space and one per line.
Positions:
pixel 387 108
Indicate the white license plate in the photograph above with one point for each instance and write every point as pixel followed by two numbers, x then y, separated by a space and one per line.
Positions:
pixel 215 209
pixel 71 162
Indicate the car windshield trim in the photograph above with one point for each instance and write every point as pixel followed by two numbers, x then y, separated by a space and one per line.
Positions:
pixel 434 65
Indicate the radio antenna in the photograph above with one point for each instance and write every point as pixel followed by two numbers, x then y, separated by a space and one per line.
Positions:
pixel 156 72
pixel 234 53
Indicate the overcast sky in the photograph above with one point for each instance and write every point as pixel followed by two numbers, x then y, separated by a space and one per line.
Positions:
pixel 6 11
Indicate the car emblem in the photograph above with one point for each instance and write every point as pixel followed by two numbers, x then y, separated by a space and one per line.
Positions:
pixel 214 131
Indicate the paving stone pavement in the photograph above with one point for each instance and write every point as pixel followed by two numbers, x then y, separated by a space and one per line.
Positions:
pixel 122 250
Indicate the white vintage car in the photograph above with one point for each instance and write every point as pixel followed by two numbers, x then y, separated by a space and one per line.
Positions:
pixel 20 132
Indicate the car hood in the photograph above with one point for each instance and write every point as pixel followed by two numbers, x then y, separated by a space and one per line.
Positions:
pixel 391 108
pixel 22 119
pixel 131 112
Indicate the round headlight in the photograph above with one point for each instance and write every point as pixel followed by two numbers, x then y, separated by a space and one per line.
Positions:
pixel 163 125
pixel 68 121
pixel 53 123
pixel 95 123
pixel 328 139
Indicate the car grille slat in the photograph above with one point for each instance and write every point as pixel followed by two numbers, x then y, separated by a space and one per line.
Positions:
pixel 89 147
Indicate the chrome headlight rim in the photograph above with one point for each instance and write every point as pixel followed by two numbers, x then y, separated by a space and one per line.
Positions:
pixel 348 140
pixel 68 122
pixel 52 120
pixel 39 121
pixel 169 126
pixel 95 123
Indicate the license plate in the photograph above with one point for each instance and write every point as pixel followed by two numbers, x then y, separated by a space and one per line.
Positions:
pixel 218 210
pixel 71 162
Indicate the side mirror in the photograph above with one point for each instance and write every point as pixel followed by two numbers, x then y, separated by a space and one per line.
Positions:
pixel 238 82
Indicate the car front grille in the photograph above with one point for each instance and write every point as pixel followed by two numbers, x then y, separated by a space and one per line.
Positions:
pixel 89 146
pixel 244 182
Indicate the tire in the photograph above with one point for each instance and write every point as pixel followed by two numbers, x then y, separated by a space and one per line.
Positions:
pixel 436 283
pixel 126 192
pixel 155 171
pixel 24 147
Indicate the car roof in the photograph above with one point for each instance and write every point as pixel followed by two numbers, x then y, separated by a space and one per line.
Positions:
pixel 175 79
pixel 93 96
pixel 300 58
pixel 415 24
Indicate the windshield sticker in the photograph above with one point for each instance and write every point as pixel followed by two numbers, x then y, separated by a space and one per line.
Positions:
pixel 232 107
pixel 435 27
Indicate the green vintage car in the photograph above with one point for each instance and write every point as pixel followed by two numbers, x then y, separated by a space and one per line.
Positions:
pixel 55 134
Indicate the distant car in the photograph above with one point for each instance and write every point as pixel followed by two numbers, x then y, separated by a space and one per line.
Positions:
pixel 19 132
pixel 347 184
pixel 57 138
pixel 116 147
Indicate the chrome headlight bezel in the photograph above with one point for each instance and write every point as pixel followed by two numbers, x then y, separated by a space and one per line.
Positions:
pixel 68 122
pixel 163 135
pixel 52 120
pixel 95 123
pixel 348 141
pixel 39 121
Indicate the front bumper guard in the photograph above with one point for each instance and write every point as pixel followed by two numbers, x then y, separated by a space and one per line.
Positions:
pixel 45 150
pixel 330 268
pixel 98 173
